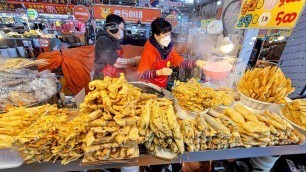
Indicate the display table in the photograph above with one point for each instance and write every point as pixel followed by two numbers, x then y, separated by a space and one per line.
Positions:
pixel 145 160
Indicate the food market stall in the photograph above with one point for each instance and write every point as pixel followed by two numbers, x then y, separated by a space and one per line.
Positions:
pixel 231 134
pixel 120 124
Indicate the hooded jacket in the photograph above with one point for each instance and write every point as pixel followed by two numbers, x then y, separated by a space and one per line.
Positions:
pixel 105 52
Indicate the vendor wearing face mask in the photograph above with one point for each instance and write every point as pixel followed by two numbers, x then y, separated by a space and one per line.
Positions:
pixel 109 59
pixel 159 55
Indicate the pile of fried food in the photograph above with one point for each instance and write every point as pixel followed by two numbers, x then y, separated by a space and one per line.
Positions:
pixel 295 111
pixel 224 99
pixel 207 132
pixel 20 63
pixel 159 128
pixel 266 84
pixel 114 133
pixel 37 141
pixel 193 97
pixel 15 121
pixel 264 129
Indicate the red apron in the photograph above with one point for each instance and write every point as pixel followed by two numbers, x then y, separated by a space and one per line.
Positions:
pixel 112 71
pixel 161 81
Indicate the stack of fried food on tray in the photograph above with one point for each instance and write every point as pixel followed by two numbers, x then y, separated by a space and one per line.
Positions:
pixel 295 111
pixel 262 129
pixel 36 141
pixel 282 133
pixel 265 84
pixel 159 128
pixel 207 132
pixel 15 121
pixel 193 97
pixel 114 134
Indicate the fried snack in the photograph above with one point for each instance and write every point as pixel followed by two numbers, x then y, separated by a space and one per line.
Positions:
pixel 18 119
pixel 19 63
pixel 224 98
pixel 266 84
pixel 231 92
pixel 281 131
pixel 191 96
pixel 252 131
pixel 159 129
pixel 113 132
pixel 296 112
pixel 37 141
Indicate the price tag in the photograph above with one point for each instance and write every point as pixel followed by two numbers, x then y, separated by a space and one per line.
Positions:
pixel 269 14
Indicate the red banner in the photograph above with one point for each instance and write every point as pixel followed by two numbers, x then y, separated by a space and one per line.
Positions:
pixel 50 8
pixel 130 14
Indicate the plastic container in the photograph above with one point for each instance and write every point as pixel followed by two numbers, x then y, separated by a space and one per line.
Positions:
pixel 12 52
pixel 252 103
pixel 217 70
pixel 10 158
pixel 4 53
pixel 21 51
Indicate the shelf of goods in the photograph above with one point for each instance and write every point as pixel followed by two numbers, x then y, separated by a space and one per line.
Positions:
pixel 120 125
pixel 145 160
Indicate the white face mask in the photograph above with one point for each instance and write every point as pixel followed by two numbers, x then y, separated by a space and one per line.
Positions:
pixel 121 34
pixel 165 41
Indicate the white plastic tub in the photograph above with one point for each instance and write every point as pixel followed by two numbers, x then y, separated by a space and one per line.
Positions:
pixel 252 103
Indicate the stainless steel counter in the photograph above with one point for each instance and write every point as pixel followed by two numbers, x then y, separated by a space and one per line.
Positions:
pixel 144 160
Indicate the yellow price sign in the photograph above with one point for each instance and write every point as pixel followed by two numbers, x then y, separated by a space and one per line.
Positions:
pixel 269 14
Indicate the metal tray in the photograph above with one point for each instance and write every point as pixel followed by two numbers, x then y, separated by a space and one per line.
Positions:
pixel 51 100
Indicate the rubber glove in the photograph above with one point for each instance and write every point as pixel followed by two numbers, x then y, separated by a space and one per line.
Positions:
pixel 164 72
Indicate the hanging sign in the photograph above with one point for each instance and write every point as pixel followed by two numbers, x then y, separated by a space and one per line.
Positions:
pixel 129 14
pixel 32 14
pixel 267 14
pixel 172 19
pixel 5 7
pixel 50 8
pixel 81 13
pixel 44 42
pixel 174 4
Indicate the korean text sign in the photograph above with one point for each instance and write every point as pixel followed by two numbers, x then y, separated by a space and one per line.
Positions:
pixel 268 14
pixel 130 14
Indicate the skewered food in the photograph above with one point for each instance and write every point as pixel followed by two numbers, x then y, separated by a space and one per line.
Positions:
pixel 16 120
pixel 19 63
pixel 267 85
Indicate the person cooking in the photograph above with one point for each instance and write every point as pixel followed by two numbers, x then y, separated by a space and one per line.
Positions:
pixel 109 59
pixel 159 56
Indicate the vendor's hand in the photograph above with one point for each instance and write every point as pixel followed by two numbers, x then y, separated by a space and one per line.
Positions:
pixel 136 59
pixel 164 72
pixel 200 63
